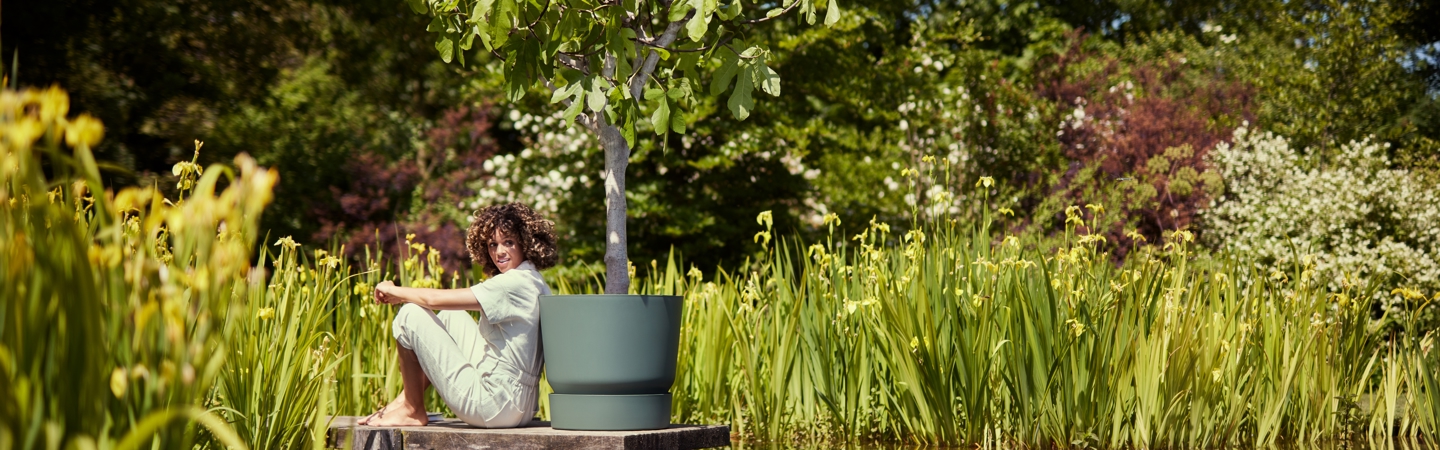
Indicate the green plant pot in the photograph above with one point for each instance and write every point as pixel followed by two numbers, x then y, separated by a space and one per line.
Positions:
pixel 610 359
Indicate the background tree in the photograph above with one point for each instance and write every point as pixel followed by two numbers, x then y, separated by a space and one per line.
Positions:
pixel 366 127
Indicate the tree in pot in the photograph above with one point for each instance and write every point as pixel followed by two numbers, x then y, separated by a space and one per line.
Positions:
pixel 614 65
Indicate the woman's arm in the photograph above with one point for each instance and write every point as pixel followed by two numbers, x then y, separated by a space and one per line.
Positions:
pixel 445 299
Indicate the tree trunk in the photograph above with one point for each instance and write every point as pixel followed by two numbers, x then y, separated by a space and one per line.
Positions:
pixel 617 156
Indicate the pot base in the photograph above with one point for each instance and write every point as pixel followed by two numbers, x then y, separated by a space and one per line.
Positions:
pixel 609 412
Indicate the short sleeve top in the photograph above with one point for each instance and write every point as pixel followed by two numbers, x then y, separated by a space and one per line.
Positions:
pixel 510 319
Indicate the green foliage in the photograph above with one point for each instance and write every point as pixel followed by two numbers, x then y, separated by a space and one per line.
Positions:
pixel 310 126
pixel 113 332
pixel 160 75
pixel 1332 72
pixel 303 86
pixel 599 58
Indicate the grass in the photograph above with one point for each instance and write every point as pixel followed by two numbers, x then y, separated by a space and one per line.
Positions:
pixel 944 334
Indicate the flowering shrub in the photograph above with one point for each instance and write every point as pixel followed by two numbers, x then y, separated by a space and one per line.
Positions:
pixel 552 163
pixel 1360 220
pixel 1146 121
pixel 384 198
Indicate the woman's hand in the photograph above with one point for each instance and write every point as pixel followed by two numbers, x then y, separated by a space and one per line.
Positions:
pixel 385 293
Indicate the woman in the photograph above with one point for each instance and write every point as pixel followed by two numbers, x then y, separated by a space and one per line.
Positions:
pixel 486 371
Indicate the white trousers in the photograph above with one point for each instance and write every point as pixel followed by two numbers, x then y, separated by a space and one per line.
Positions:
pixel 452 354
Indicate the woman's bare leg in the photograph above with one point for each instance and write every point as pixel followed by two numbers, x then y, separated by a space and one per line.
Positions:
pixel 408 409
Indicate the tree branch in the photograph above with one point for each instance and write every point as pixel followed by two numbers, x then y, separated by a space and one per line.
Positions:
pixel 643 71
pixel 723 41
pixel 572 62
pixel 768 18
pixel 541 16
pixel 738 54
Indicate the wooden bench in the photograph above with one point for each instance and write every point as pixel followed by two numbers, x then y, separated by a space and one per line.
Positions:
pixel 452 433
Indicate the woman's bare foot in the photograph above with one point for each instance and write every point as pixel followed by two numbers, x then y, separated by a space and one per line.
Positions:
pixel 387 409
pixel 399 413
pixel 366 420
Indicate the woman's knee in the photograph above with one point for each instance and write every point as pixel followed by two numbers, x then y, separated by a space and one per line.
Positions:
pixel 408 314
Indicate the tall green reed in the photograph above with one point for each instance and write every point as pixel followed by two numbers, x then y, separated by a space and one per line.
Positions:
pixel 946 335
pixel 314 344
pixel 277 388
pixel 112 333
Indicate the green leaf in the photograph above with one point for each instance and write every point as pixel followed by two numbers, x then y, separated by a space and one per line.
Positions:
pixel 728 12
pixel 740 101
pixel 515 73
pixel 617 96
pixel 502 19
pixel 575 106
pixel 677 122
pixel 567 91
pixel 832 13
pixel 698 25
pixel 531 60
pixel 679 9
pixel 565 30
pixel 483 31
pixel 460 54
pixel 621 42
pixel 514 88
pixel 575 91
pixel 597 94
pixel 727 70
pixel 418 6
pixel 769 80
pixel 480 27
pixel 629 129
pixel 686 62
pixel 660 119
pixel 566 76
pixel 680 90
pixel 446 48
pixel 437 25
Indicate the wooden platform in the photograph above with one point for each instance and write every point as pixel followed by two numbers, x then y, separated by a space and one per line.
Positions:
pixel 452 433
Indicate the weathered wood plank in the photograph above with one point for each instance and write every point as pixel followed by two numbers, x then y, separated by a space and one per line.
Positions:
pixel 451 433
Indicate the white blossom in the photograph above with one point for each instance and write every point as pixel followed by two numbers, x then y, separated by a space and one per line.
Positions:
pixel 1353 213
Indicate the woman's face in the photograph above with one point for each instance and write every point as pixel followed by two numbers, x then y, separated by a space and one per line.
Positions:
pixel 504 252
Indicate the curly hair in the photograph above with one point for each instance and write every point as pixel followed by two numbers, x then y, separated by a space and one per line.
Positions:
pixel 536 235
